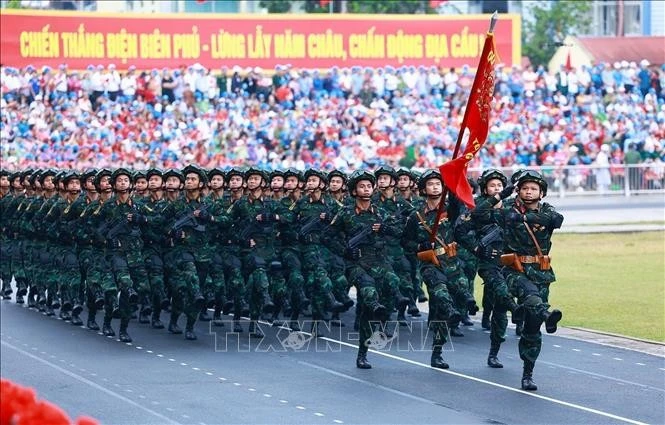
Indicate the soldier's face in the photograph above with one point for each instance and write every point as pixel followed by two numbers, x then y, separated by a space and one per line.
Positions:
pixel 433 187
pixel 336 184
pixel 291 183
pixel 277 183
pixel 404 182
pixel 384 181
pixel 74 186
pixel 253 181
pixel 37 185
pixel 122 183
pixel 141 185
pixel 17 183
pixel 217 182
pixel 313 183
pixel 173 183
pixel 48 183
pixel 530 192
pixel 105 183
pixel 235 182
pixel 494 186
pixel 192 181
pixel 4 182
pixel 155 182
pixel 364 189
pixel 89 184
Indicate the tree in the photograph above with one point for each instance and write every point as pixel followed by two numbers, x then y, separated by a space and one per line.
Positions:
pixel 276 6
pixel 549 26
pixel 389 6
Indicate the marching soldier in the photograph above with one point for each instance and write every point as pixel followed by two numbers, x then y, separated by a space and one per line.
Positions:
pixel 528 225
pixel 365 226
pixel 439 265
pixel 5 267
pixel 154 230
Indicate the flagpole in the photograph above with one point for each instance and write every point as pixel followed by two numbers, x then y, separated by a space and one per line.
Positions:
pixel 460 136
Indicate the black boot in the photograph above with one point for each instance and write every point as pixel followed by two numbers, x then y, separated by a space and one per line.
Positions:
pixel 65 315
pixel 65 301
pixel 76 320
pixel 227 306
pixel 203 315
pixel 174 328
pixel 143 317
pixel 268 305
pixel 551 320
pixel 466 320
pixel 456 332
pixel 527 379
pixel 471 306
pixel 255 330
pixel 361 361
pixel 346 300
pixel 190 335
pixel 132 296
pixel 107 329
pixel 413 309
pixel 123 335
pixel 217 317
pixel 237 327
pixel 49 311
pixel 287 309
pixel 99 299
pixel 332 304
pixel 485 321
pixel 199 299
pixel 32 302
pixel 400 300
pixel 437 360
pixel 492 359
pixel 303 301
pixel 155 323
pixel 92 323
pixel 378 310
pixel 19 299
pixel 401 318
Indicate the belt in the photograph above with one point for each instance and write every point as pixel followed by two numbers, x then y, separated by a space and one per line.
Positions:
pixel 440 251
pixel 527 259
pixel 369 252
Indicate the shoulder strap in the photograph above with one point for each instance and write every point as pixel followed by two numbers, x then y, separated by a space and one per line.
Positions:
pixel 428 229
pixel 533 238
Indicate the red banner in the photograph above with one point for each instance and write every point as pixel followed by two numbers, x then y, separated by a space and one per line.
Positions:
pixel 476 119
pixel 304 41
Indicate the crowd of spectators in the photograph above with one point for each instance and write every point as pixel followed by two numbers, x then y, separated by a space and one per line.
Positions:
pixel 339 118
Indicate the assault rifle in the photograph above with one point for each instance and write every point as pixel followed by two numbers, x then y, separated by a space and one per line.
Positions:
pixel 359 237
pixel 493 233
pixel 189 221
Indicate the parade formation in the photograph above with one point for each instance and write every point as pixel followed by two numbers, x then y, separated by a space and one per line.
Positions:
pixel 125 244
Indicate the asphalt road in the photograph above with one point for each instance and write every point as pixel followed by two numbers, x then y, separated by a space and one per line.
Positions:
pixel 163 379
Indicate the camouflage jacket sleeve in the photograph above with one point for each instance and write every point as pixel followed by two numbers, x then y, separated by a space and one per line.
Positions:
pixel 465 233
pixel 547 217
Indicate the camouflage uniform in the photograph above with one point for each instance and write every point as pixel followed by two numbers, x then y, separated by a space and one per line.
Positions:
pixel 442 272
pixel 5 244
pixel 369 268
pixel 531 283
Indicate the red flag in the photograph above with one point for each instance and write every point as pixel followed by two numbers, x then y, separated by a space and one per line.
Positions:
pixel 569 66
pixel 324 3
pixel 476 119
pixel 434 4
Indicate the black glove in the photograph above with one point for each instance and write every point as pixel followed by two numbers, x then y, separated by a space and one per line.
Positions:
pixel 139 219
pixel 178 234
pixel 204 215
pixel 352 253
pixel 424 246
pixel 507 191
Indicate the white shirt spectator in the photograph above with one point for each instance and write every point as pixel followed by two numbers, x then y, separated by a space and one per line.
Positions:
pixel 128 85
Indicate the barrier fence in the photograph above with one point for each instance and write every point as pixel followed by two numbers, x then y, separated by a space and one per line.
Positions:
pixel 615 179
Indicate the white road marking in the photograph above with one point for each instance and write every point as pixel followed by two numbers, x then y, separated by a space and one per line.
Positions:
pixel 196 368
pixel 251 389
pixel 494 384
pixel 92 384
pixel 182 364
pixel 209 373
pixel 283 401
pixel 300 407
pixel 222 379
pixel 640 364
pixel 267 395
pixel 237 384
pixel 616 358
pixel 319 414
pixel 596 354
pixel 149 351
pixel 337 421
pixel 577 350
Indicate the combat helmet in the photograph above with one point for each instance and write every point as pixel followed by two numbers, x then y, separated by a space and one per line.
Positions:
pixel 428 175
pixel 535 177
pixel 357 176
pixel 490 174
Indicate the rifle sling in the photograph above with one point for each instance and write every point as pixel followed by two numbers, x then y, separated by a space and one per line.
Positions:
pixel 428 229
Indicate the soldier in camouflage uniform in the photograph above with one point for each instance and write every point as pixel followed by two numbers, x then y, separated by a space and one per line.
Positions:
pixel 440 267
pixel 276 191
pixel 469 261
pixel 189 259
pixel 5 267
pixel 408 201
pixel 385 197
pixel 290 251
pixel 219 226
pixel 19 254
pixel 140 192
pixel 528 225
pixel 40 244
pixel 61 227
pixel 333 243
pixel 364 226
pixel 256 218
pixel 120 228
pixel 489 235
pixel 33 202
pixel 230 249
pixel 154 232
pixel 310 213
